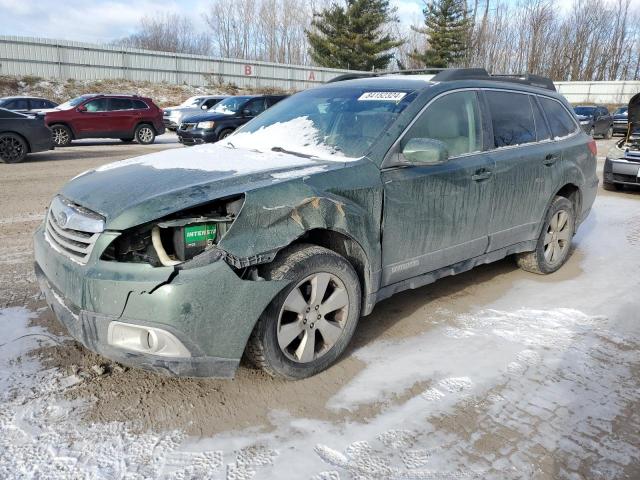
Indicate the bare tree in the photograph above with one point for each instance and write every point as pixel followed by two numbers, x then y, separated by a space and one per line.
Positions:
pixel 168 33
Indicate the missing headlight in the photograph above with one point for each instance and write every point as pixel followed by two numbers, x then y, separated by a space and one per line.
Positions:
pixel 178 238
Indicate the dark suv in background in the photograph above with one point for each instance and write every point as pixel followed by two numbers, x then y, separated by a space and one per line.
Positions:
pixel 26 104
pixel 127 117
pixel 595 120
pixel 221 120
pixel 621 120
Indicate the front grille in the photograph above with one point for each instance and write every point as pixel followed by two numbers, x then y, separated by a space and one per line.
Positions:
pixel 74 243
pixel 187 126
pixel 617 177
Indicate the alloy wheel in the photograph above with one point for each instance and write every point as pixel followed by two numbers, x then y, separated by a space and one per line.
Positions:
pixel 313 317
pixel 145 134
pixel 60 136
pixel 558 237
pixel 11 149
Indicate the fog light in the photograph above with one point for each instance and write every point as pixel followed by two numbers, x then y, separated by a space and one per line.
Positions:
pixel 139 338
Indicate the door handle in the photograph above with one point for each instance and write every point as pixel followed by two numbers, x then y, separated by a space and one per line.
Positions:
pixel 551 158
pixel 481 174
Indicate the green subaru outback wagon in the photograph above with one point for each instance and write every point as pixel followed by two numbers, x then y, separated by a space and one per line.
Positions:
pixel 272 243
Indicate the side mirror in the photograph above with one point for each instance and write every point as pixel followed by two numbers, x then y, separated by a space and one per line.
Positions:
pixel 82 108
pixel 246 112
pixel 425 151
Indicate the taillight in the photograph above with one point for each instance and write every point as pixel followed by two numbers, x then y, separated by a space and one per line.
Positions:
pixel 593 147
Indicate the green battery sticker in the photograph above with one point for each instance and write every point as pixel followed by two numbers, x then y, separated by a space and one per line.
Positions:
pixel 200 234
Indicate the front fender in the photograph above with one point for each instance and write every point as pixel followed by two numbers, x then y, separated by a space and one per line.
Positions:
pixel 347 200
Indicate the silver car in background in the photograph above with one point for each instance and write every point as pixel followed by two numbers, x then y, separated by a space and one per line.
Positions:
pixel 173 115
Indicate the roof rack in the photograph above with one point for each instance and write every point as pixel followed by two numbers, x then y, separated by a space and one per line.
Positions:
pixel 449 74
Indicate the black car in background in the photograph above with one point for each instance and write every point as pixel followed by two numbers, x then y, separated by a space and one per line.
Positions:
pixel 595 120
pixel 225 117
pixel 621 120
pixel 22 134
pixel 26 104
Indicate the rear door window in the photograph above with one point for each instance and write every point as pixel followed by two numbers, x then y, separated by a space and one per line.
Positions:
pixel 455 120
pixel 37 103
pixel 512 118
pixel 19 104
pixel 120 104
pixel 561 123
pixel 139 105
pixel 542 130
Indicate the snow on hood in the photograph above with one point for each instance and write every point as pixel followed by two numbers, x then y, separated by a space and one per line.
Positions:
pixel 215 158
pixel 299 135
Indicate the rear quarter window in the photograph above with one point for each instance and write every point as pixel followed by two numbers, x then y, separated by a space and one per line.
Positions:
pixel 561 123
pixel 512 118
pixel 139 105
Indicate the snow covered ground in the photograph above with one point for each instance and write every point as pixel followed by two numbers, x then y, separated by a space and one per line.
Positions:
pixel 542 383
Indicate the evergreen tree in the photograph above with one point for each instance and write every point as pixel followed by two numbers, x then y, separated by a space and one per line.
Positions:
pixel 447 26
pixel 353 36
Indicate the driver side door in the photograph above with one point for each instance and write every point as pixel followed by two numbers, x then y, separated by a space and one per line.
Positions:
pixel 438 215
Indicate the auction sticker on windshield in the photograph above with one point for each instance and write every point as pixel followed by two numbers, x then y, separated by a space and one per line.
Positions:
pixel 382 96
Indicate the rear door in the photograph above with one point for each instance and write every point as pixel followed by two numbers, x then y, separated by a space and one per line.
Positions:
pixel 122 117
pixel 438 215
pixel 524 156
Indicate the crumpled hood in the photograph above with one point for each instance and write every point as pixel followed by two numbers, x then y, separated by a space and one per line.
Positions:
pixel 142 189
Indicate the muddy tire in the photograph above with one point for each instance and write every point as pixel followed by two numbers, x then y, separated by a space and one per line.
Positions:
pixel 554 244
pixel 61 135
pixel 145 134
pixel 13 148
pixel 308 325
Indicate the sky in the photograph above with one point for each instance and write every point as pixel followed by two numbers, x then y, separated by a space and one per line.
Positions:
pixel 100 21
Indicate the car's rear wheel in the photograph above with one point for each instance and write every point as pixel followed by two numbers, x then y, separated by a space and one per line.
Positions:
pixel 225 133
pixel 609 133
pixel 145 134
pixel 61 135
pixel 310 323
pixel 13 148
pixel 554 244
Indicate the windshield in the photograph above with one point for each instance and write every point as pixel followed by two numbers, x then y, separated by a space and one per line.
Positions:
pixel 230 106
pixel 586 111
pixel 69 104
pixel 333 121
pixel 621 111
pixel 3 102
pixel 191 102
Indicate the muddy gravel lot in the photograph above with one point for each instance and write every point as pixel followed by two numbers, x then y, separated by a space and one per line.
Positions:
pixel 495 373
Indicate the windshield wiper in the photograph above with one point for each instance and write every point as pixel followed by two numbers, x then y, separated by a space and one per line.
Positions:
pixel 291 152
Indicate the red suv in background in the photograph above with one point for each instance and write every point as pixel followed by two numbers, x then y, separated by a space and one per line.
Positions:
pixel 127 117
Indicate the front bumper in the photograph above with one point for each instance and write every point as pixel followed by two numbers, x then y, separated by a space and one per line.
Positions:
pixel 170 123
pixel 621 171
pixel 620 127
pixel 196 136
pixel 209 309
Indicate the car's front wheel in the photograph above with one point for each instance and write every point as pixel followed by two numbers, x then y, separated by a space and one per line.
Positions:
pixel 554 243
pixel 309 323
pixel 145 134
pixel 609 133
pixel 61 135
pixel 13 148
pixel 225 133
